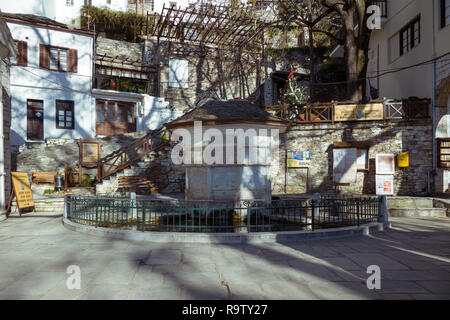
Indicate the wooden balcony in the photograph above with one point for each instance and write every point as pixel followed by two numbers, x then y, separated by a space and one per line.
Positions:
pixel 408 109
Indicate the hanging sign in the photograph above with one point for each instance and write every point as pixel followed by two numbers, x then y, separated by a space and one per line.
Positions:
pixel 358 112
pixel 22 190
pixel 298 159
pixel 384 184
pixel 89 152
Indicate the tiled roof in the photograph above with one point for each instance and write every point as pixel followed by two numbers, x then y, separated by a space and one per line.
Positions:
pixel 226 110
pixel 32 18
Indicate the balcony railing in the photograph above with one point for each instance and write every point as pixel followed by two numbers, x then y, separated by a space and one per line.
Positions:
pixel 407 109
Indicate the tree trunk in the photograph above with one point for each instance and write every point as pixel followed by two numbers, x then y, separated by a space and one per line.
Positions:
pixel 312 78
pixel 356 45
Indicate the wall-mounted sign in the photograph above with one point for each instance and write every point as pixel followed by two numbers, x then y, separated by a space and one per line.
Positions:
pixel 358 112
pixel 384 184
pixel 344 165
pixel 403 160
pixel 298 159
pixel 22 189
pixel 384 164
pixel 89 152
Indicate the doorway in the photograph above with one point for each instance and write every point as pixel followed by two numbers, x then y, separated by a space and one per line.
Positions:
pixel 35 120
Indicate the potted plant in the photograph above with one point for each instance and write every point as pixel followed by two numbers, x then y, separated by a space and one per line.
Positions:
pixel 113 84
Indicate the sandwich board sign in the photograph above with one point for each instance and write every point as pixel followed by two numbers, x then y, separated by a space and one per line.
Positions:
pixel 21 188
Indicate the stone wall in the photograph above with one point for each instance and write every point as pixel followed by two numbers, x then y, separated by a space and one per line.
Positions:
pixel 56 153
pixel 383 137
pixel 119 49
pixel 164 174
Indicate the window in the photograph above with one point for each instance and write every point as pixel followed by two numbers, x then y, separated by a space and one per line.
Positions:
pixel 65 114
pixel 69 3
pixel 443 147
pixel 115 117
pixel 22 57
pixel 178 73
pixel 445 13
pixel 410 36
pixel 172 5
pixel 58 59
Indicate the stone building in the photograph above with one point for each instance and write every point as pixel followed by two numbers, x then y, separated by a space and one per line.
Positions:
pixel 7 49
pixel 380 137
pixel 413 41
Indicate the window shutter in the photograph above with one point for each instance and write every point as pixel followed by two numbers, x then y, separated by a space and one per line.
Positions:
pixel 73 60
pixel 22 58
pixel 44 57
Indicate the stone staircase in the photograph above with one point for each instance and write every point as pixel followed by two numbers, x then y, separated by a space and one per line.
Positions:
pixel 418 207
pixel 110 185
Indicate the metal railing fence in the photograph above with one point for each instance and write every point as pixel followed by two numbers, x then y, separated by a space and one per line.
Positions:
pixel 225 216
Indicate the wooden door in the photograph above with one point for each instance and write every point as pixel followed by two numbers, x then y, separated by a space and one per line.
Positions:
pixel 35 120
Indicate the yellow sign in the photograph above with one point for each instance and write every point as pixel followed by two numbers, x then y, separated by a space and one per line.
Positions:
pixel 358 112
pixel 90 152
pixel 22 189
pixel 403 159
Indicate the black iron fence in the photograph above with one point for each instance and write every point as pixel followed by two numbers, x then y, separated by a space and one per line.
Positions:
pixel 217 216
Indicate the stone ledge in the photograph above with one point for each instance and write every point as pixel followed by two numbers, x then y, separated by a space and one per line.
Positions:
pixel 237 238
pixel 417 212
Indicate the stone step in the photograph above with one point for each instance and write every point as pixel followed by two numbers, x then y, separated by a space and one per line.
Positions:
pixel 129 172
pixel 45 205
pixel 417 212
pixel 410 202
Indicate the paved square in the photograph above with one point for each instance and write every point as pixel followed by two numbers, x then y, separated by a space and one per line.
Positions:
pixel 414 257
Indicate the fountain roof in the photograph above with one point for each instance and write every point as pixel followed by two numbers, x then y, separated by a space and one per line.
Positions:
pixel 223 112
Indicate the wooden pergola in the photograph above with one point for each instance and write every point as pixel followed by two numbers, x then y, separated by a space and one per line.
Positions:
pixel 207 27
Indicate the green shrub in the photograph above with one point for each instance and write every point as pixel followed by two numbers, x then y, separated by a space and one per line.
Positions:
pixel 113 23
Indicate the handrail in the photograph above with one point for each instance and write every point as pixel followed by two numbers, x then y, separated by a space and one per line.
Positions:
pixel 147 144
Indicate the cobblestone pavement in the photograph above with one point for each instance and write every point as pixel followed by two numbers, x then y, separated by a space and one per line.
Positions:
pixel 414 257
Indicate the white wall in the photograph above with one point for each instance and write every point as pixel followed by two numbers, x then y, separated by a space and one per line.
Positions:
pixel 156 113
pixel 44 8
pixel 415 81
pixel 57 9
pixel 32 82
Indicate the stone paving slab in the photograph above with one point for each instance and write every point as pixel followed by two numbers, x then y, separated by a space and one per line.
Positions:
pixel 414 258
